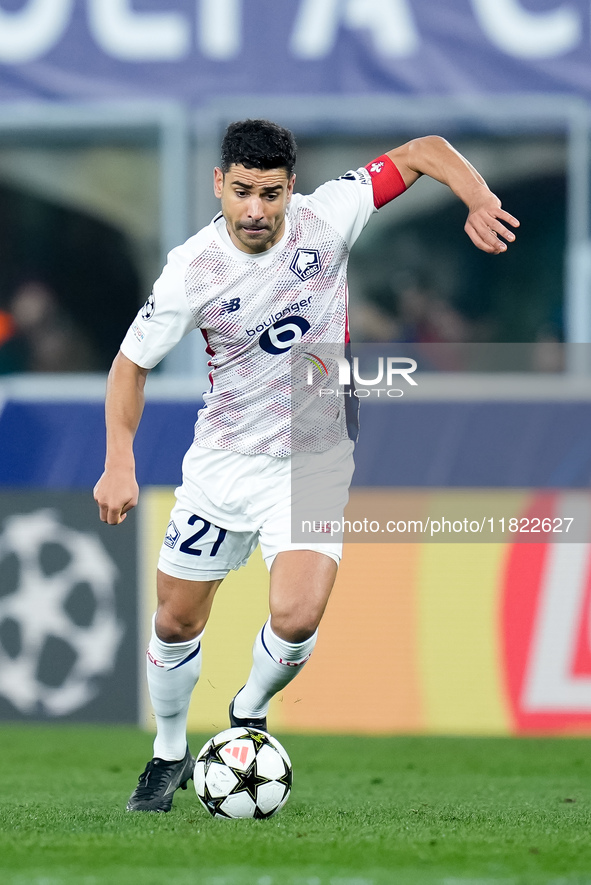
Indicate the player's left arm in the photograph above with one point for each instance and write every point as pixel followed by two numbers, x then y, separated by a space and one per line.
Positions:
pixel 434 156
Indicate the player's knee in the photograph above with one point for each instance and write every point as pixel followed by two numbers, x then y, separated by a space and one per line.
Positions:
pixel 294 628
pixel 171 627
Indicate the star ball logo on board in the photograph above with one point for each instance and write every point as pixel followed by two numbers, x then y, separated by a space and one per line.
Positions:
pixel 62 603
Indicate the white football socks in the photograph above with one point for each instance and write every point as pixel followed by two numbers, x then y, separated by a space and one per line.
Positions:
pixel 275 663
pixel 173 669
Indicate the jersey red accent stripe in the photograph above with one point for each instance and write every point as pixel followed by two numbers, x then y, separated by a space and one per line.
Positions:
pixel 210 352
pixel 208 349
pixel 387 181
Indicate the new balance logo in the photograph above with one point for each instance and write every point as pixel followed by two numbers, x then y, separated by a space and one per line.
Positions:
pixel 239 753
pixel 230 306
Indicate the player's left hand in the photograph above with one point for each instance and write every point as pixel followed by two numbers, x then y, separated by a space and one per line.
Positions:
pixel 485 225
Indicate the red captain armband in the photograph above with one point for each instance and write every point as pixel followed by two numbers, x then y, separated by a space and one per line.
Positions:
pixel 387 181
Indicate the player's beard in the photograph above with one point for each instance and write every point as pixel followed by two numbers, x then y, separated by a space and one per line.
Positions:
pixel 266 237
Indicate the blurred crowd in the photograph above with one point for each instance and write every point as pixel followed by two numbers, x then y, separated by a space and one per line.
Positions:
pixel 416 314
pixel 37 335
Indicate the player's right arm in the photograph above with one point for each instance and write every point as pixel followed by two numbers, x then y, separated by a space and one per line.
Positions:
pixel 117 490
pixel 163 320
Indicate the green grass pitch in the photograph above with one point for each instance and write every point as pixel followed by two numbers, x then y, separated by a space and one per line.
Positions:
pixel 363 811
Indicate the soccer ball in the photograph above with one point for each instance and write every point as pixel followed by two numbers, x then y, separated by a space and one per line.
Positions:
pixel 243 772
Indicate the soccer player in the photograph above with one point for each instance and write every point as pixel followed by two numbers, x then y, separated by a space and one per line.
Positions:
pixel 268 272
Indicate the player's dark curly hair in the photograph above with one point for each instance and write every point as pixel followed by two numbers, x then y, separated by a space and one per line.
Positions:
pixel 258 144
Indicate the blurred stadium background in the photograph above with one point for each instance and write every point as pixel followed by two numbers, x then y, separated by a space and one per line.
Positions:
pixel 111 112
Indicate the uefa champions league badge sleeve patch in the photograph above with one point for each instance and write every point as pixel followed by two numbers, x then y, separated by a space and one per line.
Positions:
pixel 387 181
pixel 149 308
pixel 360 175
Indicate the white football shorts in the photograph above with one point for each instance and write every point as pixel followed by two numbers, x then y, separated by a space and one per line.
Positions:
pixel 228 502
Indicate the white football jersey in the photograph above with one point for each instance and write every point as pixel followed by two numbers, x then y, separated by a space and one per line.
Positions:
pixel 252 309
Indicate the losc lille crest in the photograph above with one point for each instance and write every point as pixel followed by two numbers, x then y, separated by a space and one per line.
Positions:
pixel 306 263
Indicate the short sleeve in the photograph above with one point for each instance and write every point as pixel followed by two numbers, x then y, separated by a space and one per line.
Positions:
pixel 346 203
pixel 164 319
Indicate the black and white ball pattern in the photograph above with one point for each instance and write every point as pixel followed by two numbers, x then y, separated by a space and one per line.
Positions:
pixel 243 773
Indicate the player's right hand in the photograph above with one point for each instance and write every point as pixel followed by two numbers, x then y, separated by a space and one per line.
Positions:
pixel 116 493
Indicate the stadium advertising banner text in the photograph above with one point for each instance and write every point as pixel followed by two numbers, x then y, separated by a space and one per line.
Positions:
pixel 192 50
pixel 456 638
pixel 455 630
